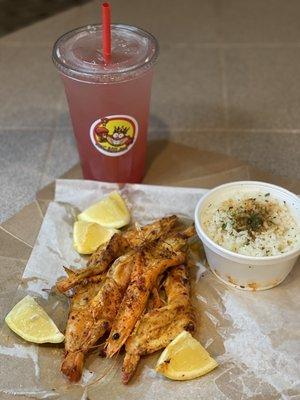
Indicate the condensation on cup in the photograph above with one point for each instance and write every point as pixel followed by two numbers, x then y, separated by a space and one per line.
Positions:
pixel 108 103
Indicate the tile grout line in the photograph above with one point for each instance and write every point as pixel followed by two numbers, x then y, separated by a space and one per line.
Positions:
pixel 48 155
pixel 224 92
pixel 248 172
pixel 39 208
pixel 50 147
pixel 224 87
pixel 15 237
pixel 215 173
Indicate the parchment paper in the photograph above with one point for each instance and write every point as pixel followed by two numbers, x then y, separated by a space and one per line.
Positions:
pixel 255 336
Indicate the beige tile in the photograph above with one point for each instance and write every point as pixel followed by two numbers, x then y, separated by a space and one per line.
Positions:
pixel 31 88
pixel 219 178
pixel 259 21
pixel 8 54
pixel 187 89
pixel 11 273
pixel 205 140
pixel 260 175
pixel 46 193
pixel 63 149
pixel 63 120
pixel 11 247
pixel 26 224
pixel 278 153
pixel 191 165
pixel 45 31
pixel 74 173
pixel 171 21
pixel 43 204
pixel 22 159
pixel 263 87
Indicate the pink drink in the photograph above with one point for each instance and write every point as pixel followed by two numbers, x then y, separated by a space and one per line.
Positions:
pixel 109 104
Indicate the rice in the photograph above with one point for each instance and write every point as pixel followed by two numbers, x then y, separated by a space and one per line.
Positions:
pixel 252 224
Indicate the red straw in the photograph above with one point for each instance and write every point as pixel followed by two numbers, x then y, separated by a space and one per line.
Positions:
pixel 106 32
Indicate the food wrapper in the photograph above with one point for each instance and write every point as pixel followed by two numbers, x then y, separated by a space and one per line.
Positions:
pixel 254 336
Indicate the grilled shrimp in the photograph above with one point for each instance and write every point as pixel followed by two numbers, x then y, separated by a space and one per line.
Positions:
pixel 159 326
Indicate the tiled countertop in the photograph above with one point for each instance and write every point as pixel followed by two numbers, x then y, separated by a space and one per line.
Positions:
pixel 227 80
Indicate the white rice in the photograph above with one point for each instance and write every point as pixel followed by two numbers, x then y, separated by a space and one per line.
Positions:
pixel 253 224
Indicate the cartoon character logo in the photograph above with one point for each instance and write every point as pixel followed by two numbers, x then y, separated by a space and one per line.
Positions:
pixel 114 135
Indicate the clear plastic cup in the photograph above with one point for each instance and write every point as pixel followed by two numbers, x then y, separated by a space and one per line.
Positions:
pixel 109 104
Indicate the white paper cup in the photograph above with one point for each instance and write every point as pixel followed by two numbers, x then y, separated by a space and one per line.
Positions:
pixel 240 271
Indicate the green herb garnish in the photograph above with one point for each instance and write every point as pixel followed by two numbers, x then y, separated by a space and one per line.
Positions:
pixel 254 221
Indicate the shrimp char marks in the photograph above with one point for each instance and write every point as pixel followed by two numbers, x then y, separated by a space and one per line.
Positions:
pixel 135 283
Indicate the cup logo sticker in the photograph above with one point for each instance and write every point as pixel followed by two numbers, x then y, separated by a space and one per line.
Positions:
pixel 114 135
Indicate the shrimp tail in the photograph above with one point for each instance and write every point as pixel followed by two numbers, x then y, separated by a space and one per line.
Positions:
pixel 72 365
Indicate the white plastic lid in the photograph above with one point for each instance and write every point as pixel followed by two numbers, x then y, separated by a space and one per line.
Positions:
pixel 78 53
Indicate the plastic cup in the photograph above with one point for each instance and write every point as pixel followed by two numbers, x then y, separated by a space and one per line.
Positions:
pixel 108 103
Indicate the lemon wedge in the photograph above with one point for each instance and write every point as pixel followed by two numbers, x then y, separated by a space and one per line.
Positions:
pixel 110 212
pixel 28 320
pixel 88 236
pixel 184 358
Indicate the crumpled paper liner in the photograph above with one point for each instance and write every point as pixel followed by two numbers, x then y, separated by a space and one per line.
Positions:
pixel 255 336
